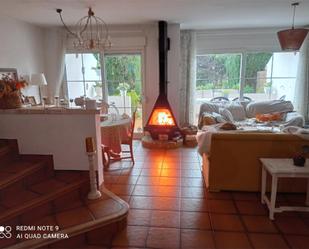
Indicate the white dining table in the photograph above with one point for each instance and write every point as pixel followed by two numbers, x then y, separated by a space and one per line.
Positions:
pixel 113 132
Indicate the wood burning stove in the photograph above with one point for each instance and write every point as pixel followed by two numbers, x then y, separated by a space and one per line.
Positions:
pixel 162 120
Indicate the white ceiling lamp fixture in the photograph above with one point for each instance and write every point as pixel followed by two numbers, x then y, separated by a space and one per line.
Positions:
pixel 292 39
pixel 90 33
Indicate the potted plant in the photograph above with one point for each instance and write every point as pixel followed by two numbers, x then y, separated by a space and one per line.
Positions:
pixel 10 94
pixel 98 88
pixel 299 159
pixel 123 88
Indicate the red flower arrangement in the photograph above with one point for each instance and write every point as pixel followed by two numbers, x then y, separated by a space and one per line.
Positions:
pixel 10 95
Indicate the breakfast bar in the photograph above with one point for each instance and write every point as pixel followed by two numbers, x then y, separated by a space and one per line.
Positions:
pixel 59 132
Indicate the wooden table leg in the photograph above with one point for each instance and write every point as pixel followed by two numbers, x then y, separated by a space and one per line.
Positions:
pixel 273 197
pixel 263 190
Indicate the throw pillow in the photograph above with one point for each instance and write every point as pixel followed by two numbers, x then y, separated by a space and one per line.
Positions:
pixel 276 116
pixel 270 106
pixel 227 115
pixel 206 119
pixel 237 111
pixel 227 126
pixel 219 118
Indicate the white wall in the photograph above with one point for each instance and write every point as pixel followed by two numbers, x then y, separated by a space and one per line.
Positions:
pixel 174 69
pixel 21 47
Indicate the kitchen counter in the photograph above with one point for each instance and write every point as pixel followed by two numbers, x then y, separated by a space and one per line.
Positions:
pixel 49 110
pixel 60 132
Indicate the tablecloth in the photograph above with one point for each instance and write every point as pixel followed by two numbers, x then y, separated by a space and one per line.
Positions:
pixel 113 132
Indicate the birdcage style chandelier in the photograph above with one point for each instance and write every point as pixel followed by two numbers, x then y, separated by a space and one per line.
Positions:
pixel 89 33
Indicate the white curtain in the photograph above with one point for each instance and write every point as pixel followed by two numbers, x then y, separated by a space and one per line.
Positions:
pixel 301 100
pixel 55 48
pixel 188 75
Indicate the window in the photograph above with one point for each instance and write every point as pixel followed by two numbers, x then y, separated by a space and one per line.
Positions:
pixel 218 75
pixel 123 77
pixel 266 76
pixel 83 75
pixel 270 75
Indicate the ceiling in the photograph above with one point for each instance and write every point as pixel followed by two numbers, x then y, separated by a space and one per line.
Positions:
pixel 195 14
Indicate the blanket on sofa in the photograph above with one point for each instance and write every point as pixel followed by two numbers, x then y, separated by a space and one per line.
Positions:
pixel 300 132
pixel 242 111
pixel 203 137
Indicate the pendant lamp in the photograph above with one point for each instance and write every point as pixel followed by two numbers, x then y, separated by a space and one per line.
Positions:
pixel 292 39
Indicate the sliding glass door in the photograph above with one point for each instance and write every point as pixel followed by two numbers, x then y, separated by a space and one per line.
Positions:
pixel 257 76
pixel 122 84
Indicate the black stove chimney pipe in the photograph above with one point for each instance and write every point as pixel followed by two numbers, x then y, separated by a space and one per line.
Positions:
pixel 164 43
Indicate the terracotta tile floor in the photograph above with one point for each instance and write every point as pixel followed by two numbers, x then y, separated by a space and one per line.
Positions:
pixel 171 208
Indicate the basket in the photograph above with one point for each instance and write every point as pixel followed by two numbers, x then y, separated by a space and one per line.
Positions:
pixel 191 130
pixel 10 101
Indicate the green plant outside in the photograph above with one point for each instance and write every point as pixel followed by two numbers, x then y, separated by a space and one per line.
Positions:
pixel 222 71
pixel 123 73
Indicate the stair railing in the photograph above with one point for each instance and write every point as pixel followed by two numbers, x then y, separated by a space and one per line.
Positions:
pixel 91 151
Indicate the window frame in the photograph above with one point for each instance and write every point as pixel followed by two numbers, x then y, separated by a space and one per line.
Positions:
pixel 243 63
pixel 140 50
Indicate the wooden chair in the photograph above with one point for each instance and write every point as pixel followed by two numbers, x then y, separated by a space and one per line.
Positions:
pixel 108 156
pixel 244 98
pixel 219 99
pixel 105 156
pixel 129 140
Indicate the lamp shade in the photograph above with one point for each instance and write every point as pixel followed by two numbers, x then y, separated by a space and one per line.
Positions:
pixel 38 79
pixel 292 39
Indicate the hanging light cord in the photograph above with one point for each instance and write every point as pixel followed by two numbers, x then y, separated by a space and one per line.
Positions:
pixel 65 26
pixel 294 11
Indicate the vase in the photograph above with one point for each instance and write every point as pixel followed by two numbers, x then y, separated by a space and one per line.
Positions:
pixel 98 91
pixel 10 101
pixel 299 161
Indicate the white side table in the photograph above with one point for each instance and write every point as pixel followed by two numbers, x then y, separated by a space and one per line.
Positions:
pixel 281 168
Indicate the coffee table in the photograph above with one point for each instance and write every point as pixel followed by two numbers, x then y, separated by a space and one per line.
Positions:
pixel 281 167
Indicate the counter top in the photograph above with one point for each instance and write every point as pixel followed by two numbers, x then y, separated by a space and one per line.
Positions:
pixel 49 110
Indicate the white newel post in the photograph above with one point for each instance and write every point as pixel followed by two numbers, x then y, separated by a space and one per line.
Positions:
pixel 90 148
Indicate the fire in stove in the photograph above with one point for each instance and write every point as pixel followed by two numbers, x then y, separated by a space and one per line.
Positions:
pixel 162 116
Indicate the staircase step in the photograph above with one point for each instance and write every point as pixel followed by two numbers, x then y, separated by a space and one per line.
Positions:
pixel 32 193
pixel 85 225
pixel 17 170
pixel 8 150
pixel 40 198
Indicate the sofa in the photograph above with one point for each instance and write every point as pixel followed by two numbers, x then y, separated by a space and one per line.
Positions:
pixel 233 161
pixel 242 111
